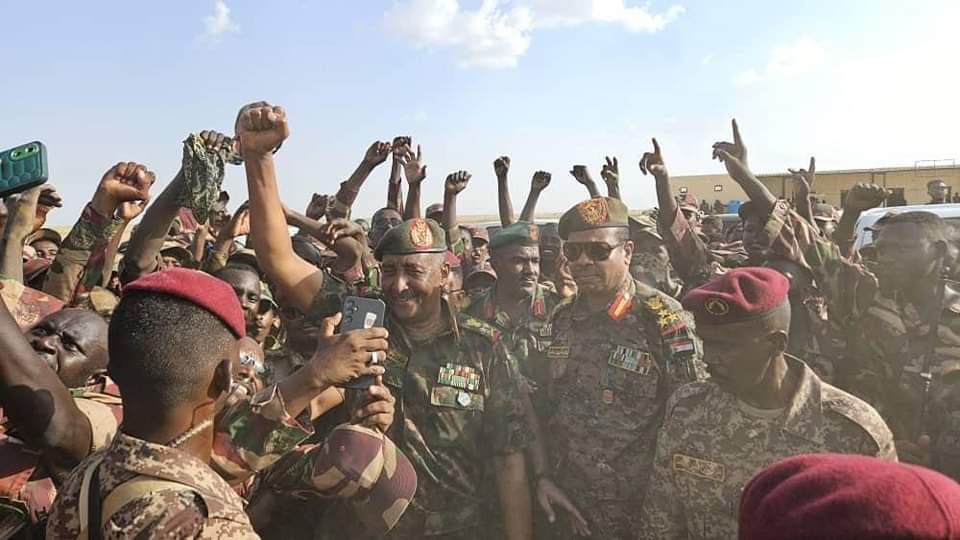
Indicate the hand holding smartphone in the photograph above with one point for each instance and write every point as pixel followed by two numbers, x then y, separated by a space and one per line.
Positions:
pixel 358 314
pixel 23 167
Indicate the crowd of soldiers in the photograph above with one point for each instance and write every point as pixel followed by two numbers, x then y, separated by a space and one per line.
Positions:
pixel 613 375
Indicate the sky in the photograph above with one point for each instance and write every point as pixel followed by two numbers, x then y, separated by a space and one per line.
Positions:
pixel 551 83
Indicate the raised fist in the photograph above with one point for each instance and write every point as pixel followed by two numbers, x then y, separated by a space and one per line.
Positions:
pixel 124 182
pixel 377 153
pixel 501 166
pixel 581 174
pixel 261 129
pixel 864 197
pixel 541 179
pixel 456 182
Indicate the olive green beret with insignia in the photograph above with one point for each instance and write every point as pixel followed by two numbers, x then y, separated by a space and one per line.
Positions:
pixel 595 213
pixel 416 235
pixel 521 233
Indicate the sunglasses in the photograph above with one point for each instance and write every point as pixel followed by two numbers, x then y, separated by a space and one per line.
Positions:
pixel 596 251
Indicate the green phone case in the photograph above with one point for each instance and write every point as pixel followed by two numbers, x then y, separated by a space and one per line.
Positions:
pixel 23 167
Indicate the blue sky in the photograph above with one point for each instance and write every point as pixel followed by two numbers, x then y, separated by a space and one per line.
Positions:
pixel 550 83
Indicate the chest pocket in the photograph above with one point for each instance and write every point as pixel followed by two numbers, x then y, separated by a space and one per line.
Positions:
pixel 631 371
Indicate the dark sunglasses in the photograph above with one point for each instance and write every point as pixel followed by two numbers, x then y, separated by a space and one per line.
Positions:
pixel 596 251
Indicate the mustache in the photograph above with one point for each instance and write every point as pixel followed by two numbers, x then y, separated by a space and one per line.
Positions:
pixel 405 295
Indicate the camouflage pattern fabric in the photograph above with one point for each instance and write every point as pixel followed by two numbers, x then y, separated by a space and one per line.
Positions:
pixel 528 338
pixel 203 172
pixel 26 305
pixel 613 371
pixel 80 264
pixel 209 509
pixel 944 427
pixel 711 444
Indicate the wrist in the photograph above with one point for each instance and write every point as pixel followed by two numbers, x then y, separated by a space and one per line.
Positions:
pixel 104 205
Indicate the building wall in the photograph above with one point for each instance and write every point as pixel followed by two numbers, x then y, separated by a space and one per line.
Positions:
pixel 829 185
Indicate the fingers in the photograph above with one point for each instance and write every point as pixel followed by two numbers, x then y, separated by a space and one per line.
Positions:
pixel 656 146
pixel 813 165
pixel 616 164
pixel 328 324
pixel 419 154
pixel 736 133
pixel 544 501
pixel 375 345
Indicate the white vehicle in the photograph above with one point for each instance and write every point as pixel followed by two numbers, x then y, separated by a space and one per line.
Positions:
pixel 948 212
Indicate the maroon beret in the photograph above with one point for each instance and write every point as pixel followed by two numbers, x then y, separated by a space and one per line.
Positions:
pixel 849 497
pixel 741 294
pixel 199 288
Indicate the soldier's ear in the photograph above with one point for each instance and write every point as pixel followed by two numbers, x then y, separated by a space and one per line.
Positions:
pixel 628 249
pixel 222 378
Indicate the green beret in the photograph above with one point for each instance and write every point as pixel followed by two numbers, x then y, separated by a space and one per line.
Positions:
pixel 595 213
pixel 521 233
pixel 416 235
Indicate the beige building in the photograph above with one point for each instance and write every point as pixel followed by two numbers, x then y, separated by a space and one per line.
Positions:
pixel 906 183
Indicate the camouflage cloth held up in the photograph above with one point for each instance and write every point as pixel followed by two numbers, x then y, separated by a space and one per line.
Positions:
pixel 203 172
pixel 613 371
pixel 204 507
pixel 711 444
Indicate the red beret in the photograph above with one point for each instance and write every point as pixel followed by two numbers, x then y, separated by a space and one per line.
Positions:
pixel 741 294
pixel 199 288
pixel 849 497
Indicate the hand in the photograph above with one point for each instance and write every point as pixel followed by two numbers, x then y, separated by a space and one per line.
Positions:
pixel 501 166
pixel 130 210
pixel 239 224
pixel 124 182
pixel 541 180
pixel 49 199
pixel 652 162
pixel 456 182
pixel 610 172
pixel 261 129
pixel 22 212
pixel 914 453
pixel 340 228
pixel 864 197
pixel 377 153
pixel 581 174
pixel 413 168
pixel 401 145
pixel 214 140
pixel 736 150
pixel 318 206
pixel 549 494
pixel 343 357
pixel 803 179
pixel 376 410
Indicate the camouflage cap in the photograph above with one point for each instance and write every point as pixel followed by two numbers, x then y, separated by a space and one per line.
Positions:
pixel 688 202
pixel 416 235
pixel 365 466
pixel 521 233
pixel 245 256
pixel 595 213
pixel 266 295
pixel 825 212
pixel 485 277
pixel 478 233
pixel 176 248
pixel 435 208
pixel 44 234
pixel 643 225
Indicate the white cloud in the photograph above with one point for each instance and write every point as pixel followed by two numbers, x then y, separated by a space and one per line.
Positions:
pixel 219 23
pixel 800 58
pixel 498 33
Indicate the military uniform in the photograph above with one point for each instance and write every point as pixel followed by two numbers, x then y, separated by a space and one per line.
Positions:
pixel 613 371
pixel 81 261
pixel 712 444
pixel 185 500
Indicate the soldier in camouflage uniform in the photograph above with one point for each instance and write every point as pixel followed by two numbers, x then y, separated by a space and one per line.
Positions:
pixel 458 411
pixel 759 406
pixel 618 352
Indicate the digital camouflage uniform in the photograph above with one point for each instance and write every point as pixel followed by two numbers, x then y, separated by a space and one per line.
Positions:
pixel 712 444
pixel 80 265
pixel 945 421
pixel 26 305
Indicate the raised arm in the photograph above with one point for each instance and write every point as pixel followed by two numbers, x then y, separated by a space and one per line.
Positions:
pixel 415 171
pixel 582 176
pixel 455 183
pixel 22 220
pixel 501 167
pixel 802 184
pixel 343 236
pixel 262 129
pixel 343 201
pixel 239 225
pixel 540 182
pixel 610 172
pixel 395 184
pixel 734 157
pixel 860 198
pixel 652 163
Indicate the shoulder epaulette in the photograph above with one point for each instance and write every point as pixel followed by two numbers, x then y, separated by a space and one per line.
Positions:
pixel 475 325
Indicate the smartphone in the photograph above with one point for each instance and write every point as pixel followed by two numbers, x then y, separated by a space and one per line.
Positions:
pixel 361 313
pixel 23 167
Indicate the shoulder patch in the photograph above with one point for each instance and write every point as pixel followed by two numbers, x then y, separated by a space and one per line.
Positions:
pixel 859 413
pixel 475 325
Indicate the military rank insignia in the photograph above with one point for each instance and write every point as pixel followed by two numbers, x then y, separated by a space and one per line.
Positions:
pixel 699 467
pixel 558 352
pixel 636 361
pixel 462 377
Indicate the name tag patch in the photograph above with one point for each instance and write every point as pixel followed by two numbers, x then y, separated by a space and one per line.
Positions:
pixel 634 360
pixel 558 351
pixel 699 467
